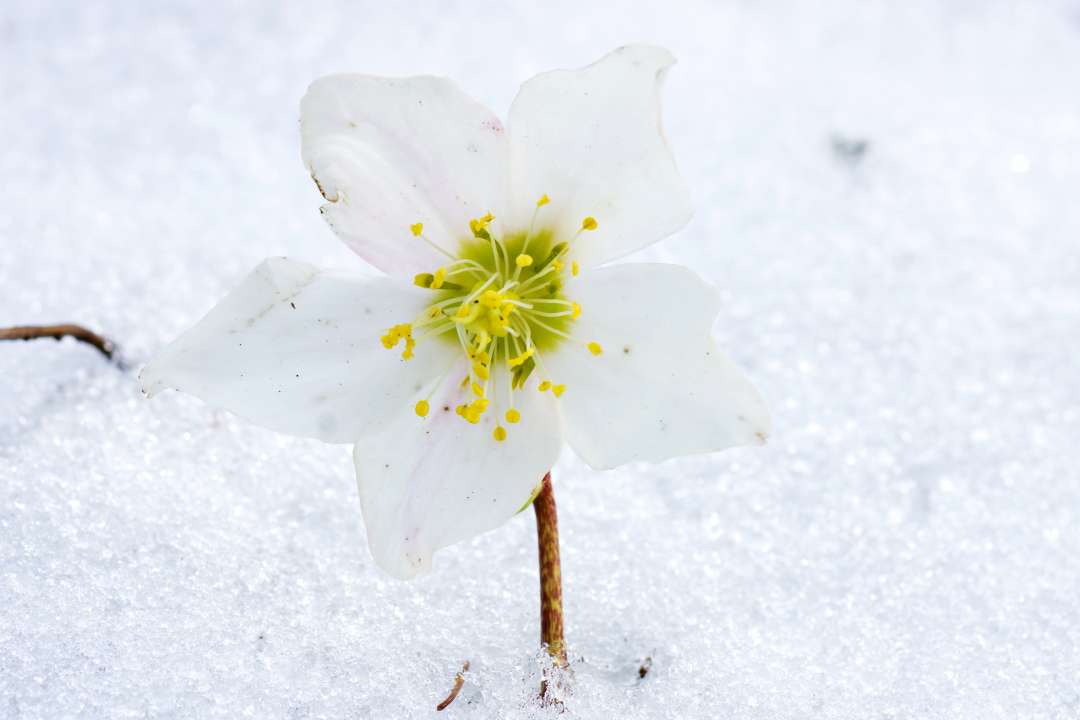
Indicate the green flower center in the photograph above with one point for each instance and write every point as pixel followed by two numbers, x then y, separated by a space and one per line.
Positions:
pixel 501 300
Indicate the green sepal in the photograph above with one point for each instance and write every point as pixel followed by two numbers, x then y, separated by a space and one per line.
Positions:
pixel 521 373
pixel 532 498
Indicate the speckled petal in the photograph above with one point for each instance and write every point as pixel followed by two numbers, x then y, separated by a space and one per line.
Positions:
pixel 592 140
pixel 428 483
pixel 659 387
pixel 297 349
pixel 390 152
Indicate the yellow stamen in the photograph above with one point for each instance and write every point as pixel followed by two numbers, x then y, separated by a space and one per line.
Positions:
pixel 515 361
pixel 505 304
pixel 544 200
pixel 467 313
pixel 478 225
pixel 398 333
pixel 475 409
pixel 594 348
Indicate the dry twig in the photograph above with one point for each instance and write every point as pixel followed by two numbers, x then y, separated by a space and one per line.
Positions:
pixel 33 332
pixel 458 682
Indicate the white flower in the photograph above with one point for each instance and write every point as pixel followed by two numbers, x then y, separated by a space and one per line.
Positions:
pixel 497 332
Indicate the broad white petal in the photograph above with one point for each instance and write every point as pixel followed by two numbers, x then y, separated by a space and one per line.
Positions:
pixel 297 349
pixel 592 140
pixel 390 152
pixel 659 389
pixel 427 483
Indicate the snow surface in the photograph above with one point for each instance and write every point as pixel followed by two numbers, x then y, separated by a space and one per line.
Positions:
pixel 907 546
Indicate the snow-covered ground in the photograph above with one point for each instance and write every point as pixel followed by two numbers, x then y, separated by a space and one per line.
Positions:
pixel 907 545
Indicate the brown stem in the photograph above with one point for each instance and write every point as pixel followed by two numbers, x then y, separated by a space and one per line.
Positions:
pixel 33 332
pixel 551 609
pixel 458 682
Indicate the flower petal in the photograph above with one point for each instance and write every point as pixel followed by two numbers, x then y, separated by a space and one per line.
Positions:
pixel 592 140
pixel 425 484
pixel 297 349
pixel 659 388
pixel 390 152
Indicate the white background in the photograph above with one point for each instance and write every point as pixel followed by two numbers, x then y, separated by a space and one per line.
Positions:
pixel 905 547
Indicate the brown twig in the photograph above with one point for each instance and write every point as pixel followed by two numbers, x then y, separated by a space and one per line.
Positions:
pixel 551 609
pixel 33 332
pixel 459 680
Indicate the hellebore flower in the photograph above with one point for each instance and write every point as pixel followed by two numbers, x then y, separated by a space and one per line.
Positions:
pixel 497 332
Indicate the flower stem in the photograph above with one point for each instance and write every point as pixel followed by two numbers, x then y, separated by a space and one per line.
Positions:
pixel 551 609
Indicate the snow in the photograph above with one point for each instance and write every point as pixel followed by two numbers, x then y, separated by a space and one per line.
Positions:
pixel 905 547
